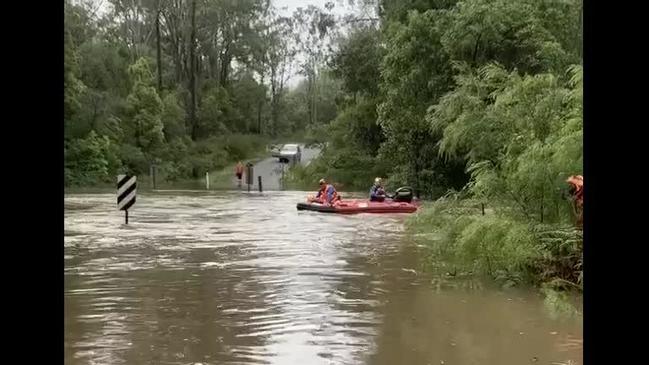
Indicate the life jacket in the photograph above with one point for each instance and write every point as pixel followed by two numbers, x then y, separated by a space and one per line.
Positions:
pixel 578 184
pixel 322 194
pixel 334 196
pixel 377 192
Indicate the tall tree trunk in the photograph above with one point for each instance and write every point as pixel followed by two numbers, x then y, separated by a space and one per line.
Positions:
pixel 178 68
pixel 475 49
pixel 213 65
pixel 192 74
pixel 273 99
pixel 259 106
pixel 310 93
pixel 171 15
pixel 542 198
pixel 199 70
pixel 159 53
pixel 315 94
pixel 580 38
pixel 226 59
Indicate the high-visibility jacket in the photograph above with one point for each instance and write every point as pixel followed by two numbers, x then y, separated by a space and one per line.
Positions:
pixel 578 183
pixel 327 194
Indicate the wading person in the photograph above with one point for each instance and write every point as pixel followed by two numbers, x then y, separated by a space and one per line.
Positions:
pixel 238 171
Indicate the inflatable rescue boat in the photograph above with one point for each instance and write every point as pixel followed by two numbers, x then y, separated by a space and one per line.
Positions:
pixel 401 202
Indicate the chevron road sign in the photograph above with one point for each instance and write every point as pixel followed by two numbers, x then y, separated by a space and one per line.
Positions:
pixel 126 191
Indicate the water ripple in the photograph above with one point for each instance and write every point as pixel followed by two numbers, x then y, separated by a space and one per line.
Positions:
pixel 237 278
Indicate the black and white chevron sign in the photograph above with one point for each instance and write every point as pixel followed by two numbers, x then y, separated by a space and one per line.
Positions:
pixel 126 191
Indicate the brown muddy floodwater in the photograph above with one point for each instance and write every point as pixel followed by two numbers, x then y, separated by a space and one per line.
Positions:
pixel 236 278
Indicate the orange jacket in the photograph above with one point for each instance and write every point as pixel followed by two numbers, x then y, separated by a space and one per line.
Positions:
pixel 577 182
pixel 327 194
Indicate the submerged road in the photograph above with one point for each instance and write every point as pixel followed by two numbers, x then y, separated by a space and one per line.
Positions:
pixel 271 170
pixel 235 278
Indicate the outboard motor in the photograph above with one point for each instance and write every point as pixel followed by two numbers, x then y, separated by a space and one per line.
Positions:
pixel 403 194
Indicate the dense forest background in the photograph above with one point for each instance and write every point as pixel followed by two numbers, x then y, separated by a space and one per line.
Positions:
pixel 473 102
pixel 476 104
pixel 189 86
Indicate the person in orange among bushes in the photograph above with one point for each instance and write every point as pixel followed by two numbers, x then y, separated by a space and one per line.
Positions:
pixel 576 190
pixel 327 194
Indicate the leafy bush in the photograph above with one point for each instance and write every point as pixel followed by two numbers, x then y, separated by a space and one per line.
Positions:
pixel 133 159
pixel 90 160
pixel 499 245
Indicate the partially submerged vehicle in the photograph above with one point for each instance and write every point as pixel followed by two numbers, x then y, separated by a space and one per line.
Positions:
pixel 289 153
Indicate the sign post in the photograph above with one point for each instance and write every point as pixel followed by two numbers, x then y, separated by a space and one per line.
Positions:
pixel 249 175
pixel 152 172
pixel 126 191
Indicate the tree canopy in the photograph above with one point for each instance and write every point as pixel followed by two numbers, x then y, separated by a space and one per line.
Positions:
pixel 164 81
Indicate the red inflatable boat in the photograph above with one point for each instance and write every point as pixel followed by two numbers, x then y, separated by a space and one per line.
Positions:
pixel 401 202
pixel 360 206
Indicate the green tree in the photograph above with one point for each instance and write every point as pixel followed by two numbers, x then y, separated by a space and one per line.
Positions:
pixel 144 109
pixel 216 114
pixel 521 136
pixel 72 86
pixel 172 117
pixel 357 61
pixel 89 160
pixel 104 66
pixel 517 34
pixel 396 11
pixel 247 93
pixel 415 74
pixel 314 25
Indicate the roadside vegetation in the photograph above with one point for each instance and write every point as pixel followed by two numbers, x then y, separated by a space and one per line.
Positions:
pixel 470 102
pixel 188 86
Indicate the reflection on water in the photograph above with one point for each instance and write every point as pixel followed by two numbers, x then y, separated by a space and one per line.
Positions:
pixel 243 278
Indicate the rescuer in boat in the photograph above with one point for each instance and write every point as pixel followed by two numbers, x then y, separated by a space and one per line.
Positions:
pixel 377 193
pixel 327 193
pixel 576 190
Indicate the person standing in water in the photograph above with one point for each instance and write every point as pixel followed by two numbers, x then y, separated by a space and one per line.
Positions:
pixel 238 171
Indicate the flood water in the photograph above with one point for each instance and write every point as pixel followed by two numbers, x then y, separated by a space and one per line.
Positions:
pixel 237 278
